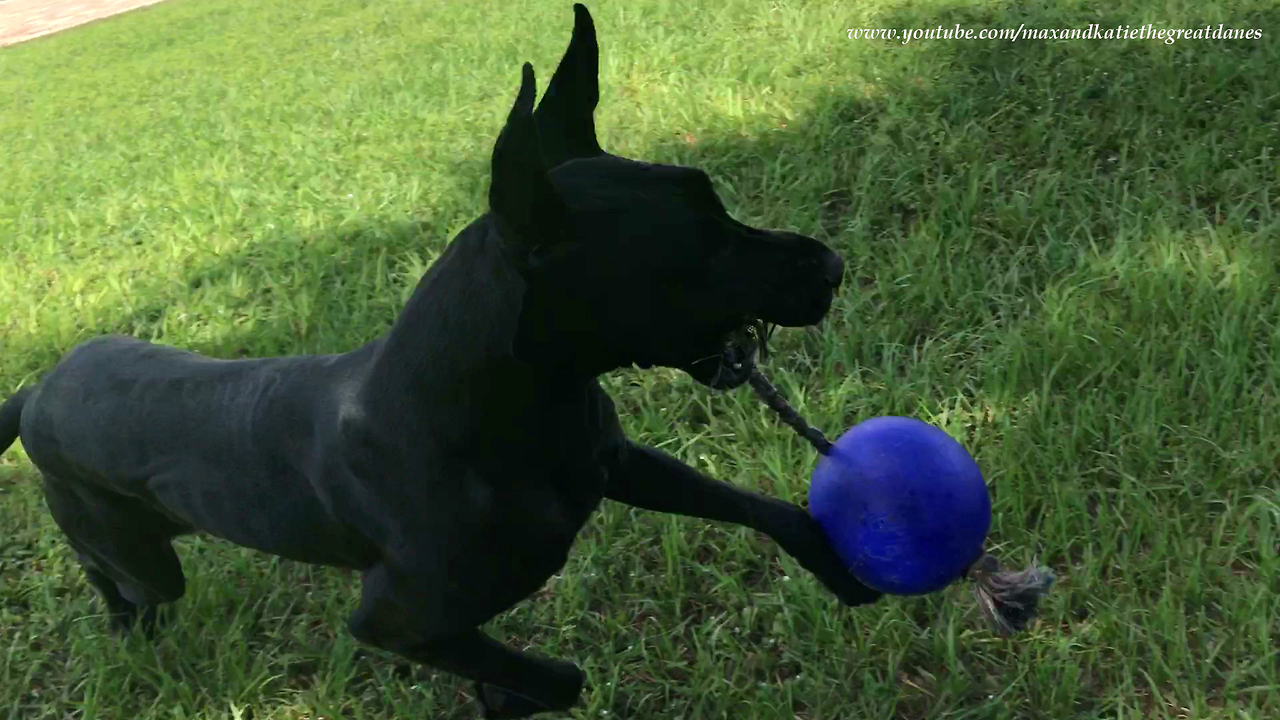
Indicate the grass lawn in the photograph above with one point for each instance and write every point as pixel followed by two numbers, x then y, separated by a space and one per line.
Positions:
pixel 1065 253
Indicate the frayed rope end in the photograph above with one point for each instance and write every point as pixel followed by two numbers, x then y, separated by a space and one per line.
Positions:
pixel 1008 598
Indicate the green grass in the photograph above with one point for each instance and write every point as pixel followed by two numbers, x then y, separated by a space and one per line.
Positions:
pixel 1064 253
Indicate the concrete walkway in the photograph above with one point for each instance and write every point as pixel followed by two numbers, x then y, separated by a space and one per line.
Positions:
pixel 27 19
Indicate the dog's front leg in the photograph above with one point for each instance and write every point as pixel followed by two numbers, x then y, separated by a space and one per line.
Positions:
pixel 649 479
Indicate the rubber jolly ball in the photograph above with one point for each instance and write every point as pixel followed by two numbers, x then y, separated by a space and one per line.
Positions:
pixel 904 505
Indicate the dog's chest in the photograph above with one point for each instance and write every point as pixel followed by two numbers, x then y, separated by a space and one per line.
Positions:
pixel 554 471
pixel 504 529
pixel 547 492
pixel 528 506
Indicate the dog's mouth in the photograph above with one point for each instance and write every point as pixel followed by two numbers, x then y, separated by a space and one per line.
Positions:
pixel 736 358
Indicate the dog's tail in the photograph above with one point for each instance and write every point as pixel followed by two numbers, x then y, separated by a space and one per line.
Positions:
pixel 10 413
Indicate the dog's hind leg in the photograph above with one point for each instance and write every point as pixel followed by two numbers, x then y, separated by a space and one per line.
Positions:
pixel 123 613
pixel 509 683
pixel 124 548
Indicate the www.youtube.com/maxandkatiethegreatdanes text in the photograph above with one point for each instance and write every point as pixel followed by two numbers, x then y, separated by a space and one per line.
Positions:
pixel 1092 32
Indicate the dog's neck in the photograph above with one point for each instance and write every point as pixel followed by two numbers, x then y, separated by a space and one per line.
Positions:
pixel 451 347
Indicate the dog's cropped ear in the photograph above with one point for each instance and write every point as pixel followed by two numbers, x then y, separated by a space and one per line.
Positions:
pixel 564 116
pixel 525 206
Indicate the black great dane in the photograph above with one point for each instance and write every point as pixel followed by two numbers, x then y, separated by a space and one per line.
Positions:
pixel 452 461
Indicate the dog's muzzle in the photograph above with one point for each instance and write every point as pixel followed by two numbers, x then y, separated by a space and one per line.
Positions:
pixel 801 297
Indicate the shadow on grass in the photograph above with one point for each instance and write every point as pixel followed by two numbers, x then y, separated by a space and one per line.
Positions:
pixel 968 181
pixel 933 150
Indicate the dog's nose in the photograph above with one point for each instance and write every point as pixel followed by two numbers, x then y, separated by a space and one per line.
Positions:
pixel 833 270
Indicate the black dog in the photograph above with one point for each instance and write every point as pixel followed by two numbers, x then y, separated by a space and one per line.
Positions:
pixel 454 460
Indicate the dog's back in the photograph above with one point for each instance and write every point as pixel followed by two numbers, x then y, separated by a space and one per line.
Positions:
pixel 134 403
pixel 200 438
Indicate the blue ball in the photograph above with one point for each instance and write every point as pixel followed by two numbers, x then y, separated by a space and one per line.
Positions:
pixel 904 505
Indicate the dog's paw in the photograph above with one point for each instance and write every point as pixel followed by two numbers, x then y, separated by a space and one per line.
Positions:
pixel 154 619
pixel 499 703
pixel 821 559
pixel 148 620
pixel 852 592
pixel 496 702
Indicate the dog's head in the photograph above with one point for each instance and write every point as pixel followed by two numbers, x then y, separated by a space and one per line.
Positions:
pixel 636 263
